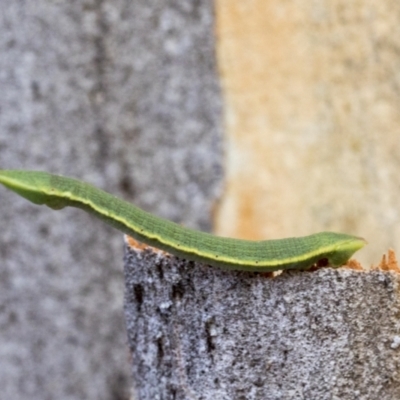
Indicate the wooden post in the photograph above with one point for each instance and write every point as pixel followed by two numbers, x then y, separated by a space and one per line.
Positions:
pixel 196 332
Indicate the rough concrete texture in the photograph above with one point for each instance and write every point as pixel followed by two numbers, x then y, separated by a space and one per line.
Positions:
pixel 124 95
pixel 196 332
pixel 312 119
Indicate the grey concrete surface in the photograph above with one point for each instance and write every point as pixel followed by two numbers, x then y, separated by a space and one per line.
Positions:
pixel 196 332
pixel 121 94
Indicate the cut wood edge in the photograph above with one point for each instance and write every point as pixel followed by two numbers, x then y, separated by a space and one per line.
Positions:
pixel 388 262
pixel 139 246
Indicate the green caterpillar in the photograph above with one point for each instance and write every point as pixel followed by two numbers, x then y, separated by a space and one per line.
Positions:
pixel 327 248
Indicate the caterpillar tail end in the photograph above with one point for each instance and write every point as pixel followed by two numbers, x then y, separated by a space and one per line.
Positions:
pixel 28 184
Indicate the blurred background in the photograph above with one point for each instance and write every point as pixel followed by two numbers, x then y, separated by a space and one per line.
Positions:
pixel 253 119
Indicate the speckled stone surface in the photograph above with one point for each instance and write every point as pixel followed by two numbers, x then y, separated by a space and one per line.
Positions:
pixel 196 332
